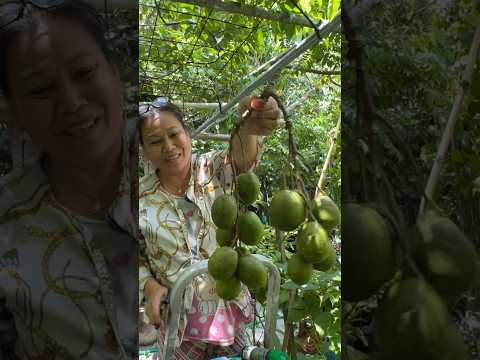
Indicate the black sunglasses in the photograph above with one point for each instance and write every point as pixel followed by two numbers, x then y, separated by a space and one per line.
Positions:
pixel 158 103
pixel 12 11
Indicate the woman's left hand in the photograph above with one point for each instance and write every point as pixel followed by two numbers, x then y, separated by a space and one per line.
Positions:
pixel 263 118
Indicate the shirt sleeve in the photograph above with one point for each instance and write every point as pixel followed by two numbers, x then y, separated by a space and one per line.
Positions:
pixel 144 272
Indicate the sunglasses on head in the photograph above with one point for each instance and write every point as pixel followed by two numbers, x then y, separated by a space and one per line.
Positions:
pixel 158 103
pixel 11 11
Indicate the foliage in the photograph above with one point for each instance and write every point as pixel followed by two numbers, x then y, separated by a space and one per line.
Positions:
pixel 414 55
pixel 193 54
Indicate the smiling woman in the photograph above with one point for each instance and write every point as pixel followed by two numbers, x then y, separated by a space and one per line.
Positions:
pixel 74 91
pixel 175 220
pixel 67 216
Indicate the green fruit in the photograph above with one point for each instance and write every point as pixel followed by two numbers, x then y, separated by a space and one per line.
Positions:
pixel 248 187
pixel 287 210
pixel 228 289
pixel 242 251
pixel 222 265
pixel 367 252
pixel 224 211
pixel 298 270
pixel 312 242
pixel 252 272
pixel 326 212
pixel 445 256
pixel 250 228
pixel 411 320
pixel 261 295
pixel 225 237
pixel 328 261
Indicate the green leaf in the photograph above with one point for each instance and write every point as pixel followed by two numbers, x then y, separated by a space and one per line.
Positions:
pixel 333 7
pixel 323 319
pixel 290 285
pixel 305 5
pixel 283 296
pixel 297 311
pixel 333 276
pixel 259 38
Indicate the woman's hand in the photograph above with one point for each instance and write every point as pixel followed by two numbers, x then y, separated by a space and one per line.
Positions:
pixel 260 118
pixel 155 294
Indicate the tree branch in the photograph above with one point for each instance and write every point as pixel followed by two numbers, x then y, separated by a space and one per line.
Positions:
pixel 447 135
pixel 249 10
pixel 330 154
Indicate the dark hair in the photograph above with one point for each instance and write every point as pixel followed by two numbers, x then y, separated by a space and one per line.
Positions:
pixel 33 15
pixel 150 111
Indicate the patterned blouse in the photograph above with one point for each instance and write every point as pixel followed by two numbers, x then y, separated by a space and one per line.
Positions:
pixel 57 293
pixel 164 229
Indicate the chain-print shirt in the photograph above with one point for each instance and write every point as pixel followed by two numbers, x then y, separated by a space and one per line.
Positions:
pixel 56 291
pixel 164 232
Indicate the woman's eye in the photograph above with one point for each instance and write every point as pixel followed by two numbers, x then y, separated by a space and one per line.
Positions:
pixel 156 142
pixel 41 91
pixel 173 135
pixel 85 72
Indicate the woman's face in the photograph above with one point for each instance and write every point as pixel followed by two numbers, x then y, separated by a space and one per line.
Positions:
pixel 166 144
pixel 64 92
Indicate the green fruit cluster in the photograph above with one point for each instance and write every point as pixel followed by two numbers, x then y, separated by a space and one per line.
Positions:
pixel 230 267
pixel 367 252
pixel 314 249
pixel 231 221
pixel 445 256
pixel 440 250
pixel 411 321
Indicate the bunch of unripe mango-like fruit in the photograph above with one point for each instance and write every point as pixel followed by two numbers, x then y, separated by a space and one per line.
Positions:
pixel 232 264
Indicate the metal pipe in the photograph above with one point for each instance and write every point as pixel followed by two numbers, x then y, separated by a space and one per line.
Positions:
pixel 186 277
pixel 176 304
pixel 284 60
pixel 293 54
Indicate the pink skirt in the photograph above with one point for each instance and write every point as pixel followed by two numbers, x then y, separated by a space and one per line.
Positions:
pixel 194 350
pixel 215 322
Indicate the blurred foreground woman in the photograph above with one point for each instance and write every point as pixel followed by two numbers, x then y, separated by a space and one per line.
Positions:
pixel 68 265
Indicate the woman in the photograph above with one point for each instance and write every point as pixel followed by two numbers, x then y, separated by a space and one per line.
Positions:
pixel 175 204
pixel 67 283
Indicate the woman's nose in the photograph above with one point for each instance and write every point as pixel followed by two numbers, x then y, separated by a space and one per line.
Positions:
pixel 168 144
pixel 71 97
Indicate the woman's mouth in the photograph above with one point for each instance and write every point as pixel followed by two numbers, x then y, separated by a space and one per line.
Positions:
pixel 81 129
pixel 172 157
